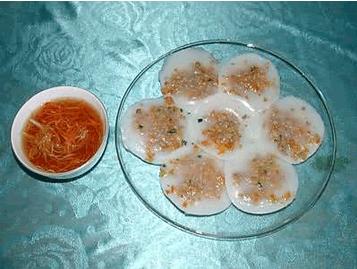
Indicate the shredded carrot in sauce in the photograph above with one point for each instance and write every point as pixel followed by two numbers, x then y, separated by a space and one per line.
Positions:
pixel 62 135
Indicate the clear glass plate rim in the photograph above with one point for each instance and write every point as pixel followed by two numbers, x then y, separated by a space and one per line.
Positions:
pixel 295 217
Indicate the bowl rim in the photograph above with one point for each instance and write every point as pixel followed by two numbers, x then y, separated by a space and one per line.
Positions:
pixel 76 172
pixel 264 232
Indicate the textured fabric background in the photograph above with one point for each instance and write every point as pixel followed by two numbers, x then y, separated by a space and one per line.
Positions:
pixel 96 221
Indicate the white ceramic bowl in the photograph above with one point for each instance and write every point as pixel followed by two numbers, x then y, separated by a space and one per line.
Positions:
pixel 34 103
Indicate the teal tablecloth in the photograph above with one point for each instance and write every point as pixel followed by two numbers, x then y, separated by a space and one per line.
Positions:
pixel 96 221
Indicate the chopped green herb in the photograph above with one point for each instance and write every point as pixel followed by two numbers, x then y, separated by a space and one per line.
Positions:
pixel 172 131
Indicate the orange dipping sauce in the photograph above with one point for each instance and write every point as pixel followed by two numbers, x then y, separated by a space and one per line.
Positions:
pixel 62 135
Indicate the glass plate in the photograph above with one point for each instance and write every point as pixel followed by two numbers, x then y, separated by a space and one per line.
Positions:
pixel 231 224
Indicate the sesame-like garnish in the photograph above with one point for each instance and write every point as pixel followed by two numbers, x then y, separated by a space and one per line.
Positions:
pixel 196 84
pixel 222 132
pixel 202 179
pixel 254 79
pixel 261 181
pixel 291 136
pixel 162 127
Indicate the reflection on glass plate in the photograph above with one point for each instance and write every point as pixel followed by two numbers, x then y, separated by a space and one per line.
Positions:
pixel 232 224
